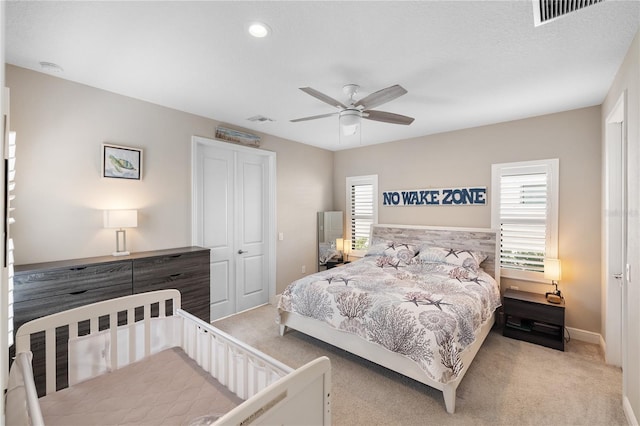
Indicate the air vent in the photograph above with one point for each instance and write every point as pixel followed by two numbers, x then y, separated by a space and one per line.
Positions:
pixel 260 119
pixel 548 10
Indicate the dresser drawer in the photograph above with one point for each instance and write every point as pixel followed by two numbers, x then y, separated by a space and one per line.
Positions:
pixel 187 272
pixel 30 309
pixel 165 267
pixel 64 282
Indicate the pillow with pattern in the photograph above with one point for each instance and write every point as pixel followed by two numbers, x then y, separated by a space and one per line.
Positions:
pixel 395 250
pixel 461 257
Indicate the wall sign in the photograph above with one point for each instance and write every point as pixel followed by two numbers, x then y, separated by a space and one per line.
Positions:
pixel 476 195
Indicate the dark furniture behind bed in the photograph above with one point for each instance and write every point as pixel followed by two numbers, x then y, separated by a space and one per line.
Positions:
pixel 46 288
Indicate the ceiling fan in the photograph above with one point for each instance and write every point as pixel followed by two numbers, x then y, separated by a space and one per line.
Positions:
pixel 351 114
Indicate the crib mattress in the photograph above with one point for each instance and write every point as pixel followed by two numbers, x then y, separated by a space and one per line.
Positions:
pixel 167 388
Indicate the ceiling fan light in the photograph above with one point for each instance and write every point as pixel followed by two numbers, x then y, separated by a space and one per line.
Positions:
pixel 259 29
pixel 350 117
pixel 349 130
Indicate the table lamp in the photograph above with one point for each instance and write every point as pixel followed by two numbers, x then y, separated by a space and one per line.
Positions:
pixel 340 245
pixel 347 249
pixel 121 219
pixel 553 272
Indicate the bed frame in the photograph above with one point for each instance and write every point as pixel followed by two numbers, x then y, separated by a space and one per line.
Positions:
pixel 479 239
pixel 272 392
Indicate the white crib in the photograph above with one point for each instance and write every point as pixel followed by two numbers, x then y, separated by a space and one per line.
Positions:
pixel 272 392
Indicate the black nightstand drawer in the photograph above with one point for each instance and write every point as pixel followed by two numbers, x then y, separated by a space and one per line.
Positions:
pixel 534 311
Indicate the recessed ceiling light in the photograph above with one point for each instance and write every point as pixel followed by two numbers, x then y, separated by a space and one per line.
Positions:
pixel 50 66
pixel 259 29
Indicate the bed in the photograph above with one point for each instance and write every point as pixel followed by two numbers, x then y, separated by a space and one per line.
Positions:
pixel 421 302
pixel 141 359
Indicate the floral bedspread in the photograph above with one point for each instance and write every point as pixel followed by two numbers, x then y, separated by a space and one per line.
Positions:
pixel 427 307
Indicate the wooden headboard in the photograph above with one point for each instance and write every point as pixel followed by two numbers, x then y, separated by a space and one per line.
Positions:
pixel 484 240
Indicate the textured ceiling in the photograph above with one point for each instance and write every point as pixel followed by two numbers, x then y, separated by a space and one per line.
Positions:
pixel 464 63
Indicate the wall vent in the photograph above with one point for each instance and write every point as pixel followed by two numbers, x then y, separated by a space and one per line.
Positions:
pixel 547 10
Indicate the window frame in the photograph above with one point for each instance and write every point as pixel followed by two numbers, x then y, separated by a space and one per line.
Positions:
pixel 360 180
pixel 552 169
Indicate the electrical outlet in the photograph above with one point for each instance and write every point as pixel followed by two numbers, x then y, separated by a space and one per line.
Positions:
pixel 514 287
pixel 304 269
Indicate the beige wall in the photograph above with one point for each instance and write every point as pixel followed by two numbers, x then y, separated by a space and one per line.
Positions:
pixel 464 158
pixel 628 80
pixel 60 194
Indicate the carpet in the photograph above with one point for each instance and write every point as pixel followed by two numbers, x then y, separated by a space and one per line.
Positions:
pixel 509 383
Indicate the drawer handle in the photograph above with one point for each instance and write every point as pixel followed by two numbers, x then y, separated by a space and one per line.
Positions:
pixel 175 275
pixel 79 268
pixel 75 293
pixel 176 255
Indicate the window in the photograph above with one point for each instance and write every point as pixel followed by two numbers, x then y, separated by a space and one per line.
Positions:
pixel 525 209
pixel 362 211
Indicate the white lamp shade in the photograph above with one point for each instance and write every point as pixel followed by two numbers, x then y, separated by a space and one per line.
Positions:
pixel 120 218
pixel 347 246
pixel 349 121
pixel 552 269
pixel 339 244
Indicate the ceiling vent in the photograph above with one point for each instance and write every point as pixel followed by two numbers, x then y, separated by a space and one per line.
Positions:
pixel 547 10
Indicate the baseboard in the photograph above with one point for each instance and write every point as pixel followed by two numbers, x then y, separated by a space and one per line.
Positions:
pixel 628 412
pixel 583 335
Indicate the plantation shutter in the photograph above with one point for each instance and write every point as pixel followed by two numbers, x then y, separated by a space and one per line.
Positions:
pixel 523 221
pixel 361 215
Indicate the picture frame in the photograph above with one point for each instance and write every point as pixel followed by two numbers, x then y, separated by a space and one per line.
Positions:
pixel 121 162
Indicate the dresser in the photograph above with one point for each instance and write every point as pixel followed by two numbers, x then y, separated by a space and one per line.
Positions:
pixel 45 288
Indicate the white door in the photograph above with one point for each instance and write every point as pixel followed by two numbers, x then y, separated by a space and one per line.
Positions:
pixel 615 234
pixel 234 216
pixel 251 263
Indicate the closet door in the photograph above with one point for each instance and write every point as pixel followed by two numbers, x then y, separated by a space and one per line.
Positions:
pixel 216 225
pixel 234 216
pixel 252 261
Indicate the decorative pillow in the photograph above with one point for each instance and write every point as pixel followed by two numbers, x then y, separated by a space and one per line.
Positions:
pixel 460 257
pixel 398 251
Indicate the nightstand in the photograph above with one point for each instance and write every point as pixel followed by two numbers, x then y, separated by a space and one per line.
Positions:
pixel 529 317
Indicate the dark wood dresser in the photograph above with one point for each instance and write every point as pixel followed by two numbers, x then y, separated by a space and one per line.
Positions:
pixel 42 289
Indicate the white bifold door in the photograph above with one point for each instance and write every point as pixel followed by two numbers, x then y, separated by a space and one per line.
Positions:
pixel 234 216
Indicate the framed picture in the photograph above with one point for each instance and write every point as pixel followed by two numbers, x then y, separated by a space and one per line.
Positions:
pixel 121 162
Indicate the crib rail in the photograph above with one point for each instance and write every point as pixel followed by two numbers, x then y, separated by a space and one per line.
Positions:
pixel 93 313
pixel 273 392
pixel 238 366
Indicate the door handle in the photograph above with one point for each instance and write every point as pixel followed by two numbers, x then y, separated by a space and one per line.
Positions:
pixel 242 251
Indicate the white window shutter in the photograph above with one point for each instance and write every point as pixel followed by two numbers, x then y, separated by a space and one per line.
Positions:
pixel 362 207
pixel 525 210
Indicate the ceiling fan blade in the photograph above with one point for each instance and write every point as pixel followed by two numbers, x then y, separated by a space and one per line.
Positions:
pixel 381 96
pixel 314 117
pixel 324 98
pixel 387 117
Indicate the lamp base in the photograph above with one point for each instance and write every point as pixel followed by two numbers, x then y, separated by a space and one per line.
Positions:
pixel 554 298
pixel 120 253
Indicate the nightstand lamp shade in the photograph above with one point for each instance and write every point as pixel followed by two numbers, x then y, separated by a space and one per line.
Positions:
pixel 121 219
pixel 552 269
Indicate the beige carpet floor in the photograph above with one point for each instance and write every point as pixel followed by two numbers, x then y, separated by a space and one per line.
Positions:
pixel 509 383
